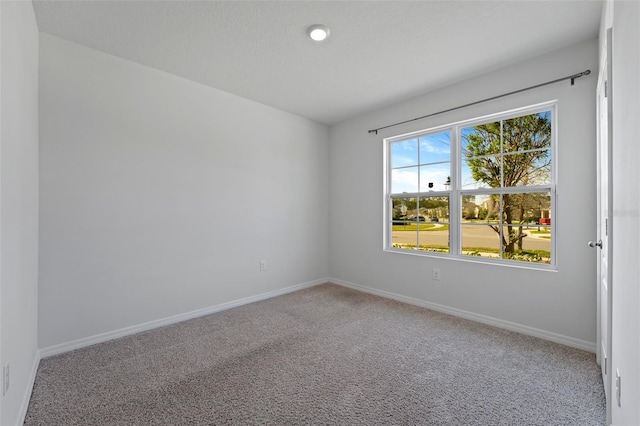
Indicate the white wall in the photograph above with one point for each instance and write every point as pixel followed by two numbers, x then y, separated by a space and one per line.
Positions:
pixel 159 195
pixel 557 305
pixel 625 354
pixel 18 204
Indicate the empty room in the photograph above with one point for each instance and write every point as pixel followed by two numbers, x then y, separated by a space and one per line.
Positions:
pixel 319 212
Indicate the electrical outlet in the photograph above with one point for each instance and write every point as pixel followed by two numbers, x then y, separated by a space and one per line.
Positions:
pixel 263 265
pixel 436 274
pixel 6 378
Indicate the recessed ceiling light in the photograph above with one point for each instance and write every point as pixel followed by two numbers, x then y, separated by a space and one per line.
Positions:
pixel 318 32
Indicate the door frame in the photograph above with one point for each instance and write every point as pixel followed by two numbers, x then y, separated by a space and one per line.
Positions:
pixel 605 216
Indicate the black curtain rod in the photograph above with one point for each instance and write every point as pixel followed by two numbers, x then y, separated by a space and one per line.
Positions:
pixel 570 77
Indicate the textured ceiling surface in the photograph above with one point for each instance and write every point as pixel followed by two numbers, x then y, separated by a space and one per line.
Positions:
pixel 379 52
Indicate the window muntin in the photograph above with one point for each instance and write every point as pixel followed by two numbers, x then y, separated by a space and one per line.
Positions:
pixel 496 174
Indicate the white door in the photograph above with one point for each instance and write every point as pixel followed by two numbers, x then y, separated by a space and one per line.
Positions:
pixel 605 226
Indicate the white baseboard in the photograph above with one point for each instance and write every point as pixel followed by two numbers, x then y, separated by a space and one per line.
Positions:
pixel 519 328
pixel 92 340
pixel 24 406
pixel 127 331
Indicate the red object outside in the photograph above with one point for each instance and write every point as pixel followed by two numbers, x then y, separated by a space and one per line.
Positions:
pixel 545 221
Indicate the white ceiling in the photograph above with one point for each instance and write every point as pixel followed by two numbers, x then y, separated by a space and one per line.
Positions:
pixel 379 52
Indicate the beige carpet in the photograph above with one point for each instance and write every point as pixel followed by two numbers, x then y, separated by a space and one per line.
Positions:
pixel 326 355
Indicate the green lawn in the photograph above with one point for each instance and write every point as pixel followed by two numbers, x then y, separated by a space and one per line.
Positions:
pixel 422 227
pixel 543 233
pixel 541 256
pixel 432 248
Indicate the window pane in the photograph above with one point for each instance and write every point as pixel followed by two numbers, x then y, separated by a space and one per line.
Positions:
pixel 481 240
pixel 435 209
pixel 404 180
pixel 435 148
pixel 420 223
pixel 403 208
pixel 404 153
pixel 480 140
pixel 433 234
pixel 528 169
pixel 527 244
pixel 527 132
pixel 525 207
pixel 404 233
pixel 482 172
pixel 481 208
pixel 540 169
pixel 434 177
pixel 434 237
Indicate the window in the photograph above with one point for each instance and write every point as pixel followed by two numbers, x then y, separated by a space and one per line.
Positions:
pixel 481 189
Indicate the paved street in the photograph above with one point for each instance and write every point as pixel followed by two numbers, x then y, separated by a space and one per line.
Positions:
pixel 472 236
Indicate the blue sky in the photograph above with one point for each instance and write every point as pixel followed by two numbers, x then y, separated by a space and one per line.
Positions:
pixel 418 161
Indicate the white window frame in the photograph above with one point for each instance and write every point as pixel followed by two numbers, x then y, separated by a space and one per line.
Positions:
pixel 455 193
